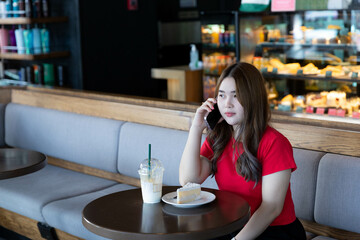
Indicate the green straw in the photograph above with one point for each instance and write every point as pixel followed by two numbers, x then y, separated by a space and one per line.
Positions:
pixel 149 160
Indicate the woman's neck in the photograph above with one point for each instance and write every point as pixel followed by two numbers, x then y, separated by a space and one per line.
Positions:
pixel 236 132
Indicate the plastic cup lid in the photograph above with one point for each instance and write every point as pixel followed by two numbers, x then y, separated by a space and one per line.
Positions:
pixel 155 167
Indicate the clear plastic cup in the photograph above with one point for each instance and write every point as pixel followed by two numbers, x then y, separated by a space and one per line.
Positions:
pixel 151 177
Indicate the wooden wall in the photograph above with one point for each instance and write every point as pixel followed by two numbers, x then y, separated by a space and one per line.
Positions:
pixel 5 95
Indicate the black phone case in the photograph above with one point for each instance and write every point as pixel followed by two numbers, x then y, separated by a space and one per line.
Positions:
pixel 213 117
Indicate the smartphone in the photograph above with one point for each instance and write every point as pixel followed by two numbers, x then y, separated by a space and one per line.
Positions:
pixel 213 117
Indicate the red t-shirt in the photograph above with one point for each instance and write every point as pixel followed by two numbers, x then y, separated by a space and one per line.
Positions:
pixel 274 153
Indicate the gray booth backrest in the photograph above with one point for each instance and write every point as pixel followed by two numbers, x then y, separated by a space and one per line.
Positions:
pixel 167 145
pixel 303 182
pixel 86 140
pixel 337 202
pixel 2 124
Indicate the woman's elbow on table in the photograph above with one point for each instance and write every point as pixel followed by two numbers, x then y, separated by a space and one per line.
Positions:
pixel 185 179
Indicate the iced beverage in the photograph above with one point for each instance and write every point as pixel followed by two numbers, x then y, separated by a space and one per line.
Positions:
pixel 151 176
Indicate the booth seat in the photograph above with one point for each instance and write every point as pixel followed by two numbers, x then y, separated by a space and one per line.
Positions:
pixel 325 189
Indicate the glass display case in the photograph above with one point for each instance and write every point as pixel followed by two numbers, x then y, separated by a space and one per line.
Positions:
pixel 220 46
pixel 308 58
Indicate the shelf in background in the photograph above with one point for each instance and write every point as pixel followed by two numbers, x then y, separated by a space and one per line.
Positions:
pixel 15 56
pixel 310 77
pixel 25 20
pixel 306 45
pixel 220 49
pixel 9 82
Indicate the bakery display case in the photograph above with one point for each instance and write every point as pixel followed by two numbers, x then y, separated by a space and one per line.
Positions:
pixel 308 58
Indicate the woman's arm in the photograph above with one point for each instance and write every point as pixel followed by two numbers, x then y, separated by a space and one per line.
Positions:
pixel 193 167
pixel 274 188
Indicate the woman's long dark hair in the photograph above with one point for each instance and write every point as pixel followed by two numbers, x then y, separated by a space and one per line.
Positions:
pixel 252 95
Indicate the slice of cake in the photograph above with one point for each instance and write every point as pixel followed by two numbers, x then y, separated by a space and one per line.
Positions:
pixel 188 193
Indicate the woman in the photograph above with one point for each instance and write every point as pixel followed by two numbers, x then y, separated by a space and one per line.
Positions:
pixel 245 154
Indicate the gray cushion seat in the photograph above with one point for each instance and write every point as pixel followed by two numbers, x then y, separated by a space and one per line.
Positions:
pixel 66 214
pixel 28 194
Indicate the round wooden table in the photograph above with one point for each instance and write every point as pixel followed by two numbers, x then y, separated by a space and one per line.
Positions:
pixel 123 215
pixel 16 162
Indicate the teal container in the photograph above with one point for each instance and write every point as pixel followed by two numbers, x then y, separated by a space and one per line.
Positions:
pixel 15 7
pixel 37 40
pixel 49 76
pixel 28 40
pixel 45 40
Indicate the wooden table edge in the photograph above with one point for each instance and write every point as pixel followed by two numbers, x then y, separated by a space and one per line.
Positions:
pixel 24 171
pixel 210 233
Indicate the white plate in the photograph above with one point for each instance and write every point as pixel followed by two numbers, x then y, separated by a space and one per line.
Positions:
pixel 205 197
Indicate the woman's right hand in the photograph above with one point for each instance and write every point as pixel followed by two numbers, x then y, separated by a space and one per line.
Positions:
pixel 202 112
pixel 193 167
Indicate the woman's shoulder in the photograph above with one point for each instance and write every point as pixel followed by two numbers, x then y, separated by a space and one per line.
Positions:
pixel 271 134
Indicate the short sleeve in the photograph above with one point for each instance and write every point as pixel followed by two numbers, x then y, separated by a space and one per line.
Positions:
pixel 275 153
pixel 206 150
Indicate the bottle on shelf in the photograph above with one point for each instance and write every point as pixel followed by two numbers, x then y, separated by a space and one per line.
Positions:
pixel 36 8
pixel 232 39
pixel 45 8
pixel 29 41
pixel 30 74
pixel 49 75
pixel 60 75
pixel 12 40
pixel 221 39
pixel 2 9
pixel 226 38
pixel 22 74
pixel 28 9
pixel 15 8
pixel 215 38
pixel 4 36
pixel 194 57
pixel 38 74
pixel 8 8
pixel 36 40
pixel 22 8
pixel 20 44
pixel 45 40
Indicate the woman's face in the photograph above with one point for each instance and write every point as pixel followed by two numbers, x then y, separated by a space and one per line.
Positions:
pixel 230 108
